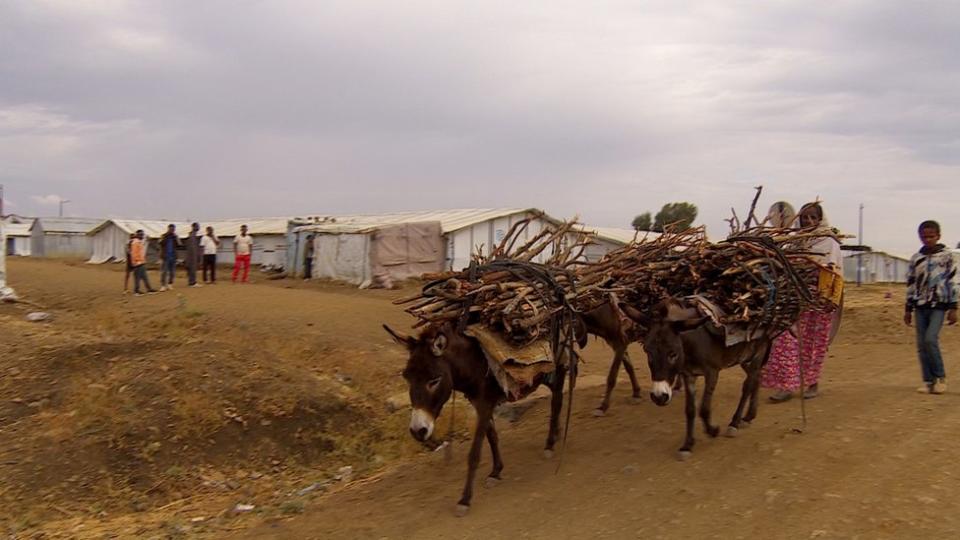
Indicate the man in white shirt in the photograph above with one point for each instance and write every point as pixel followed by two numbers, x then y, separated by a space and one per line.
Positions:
pixel 209 245
pixel 242 248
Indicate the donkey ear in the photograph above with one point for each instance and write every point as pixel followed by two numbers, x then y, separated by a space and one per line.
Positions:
pixel 402 339
pixel 687 324
pixel 636 315
pixel 439 345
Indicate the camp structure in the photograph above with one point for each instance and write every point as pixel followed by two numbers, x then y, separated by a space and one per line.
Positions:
pixel 269 239
pixel 109 238
pixel 61 236
pixel 464 231
pixel 368 253
pixel 875 267
pixel 18 239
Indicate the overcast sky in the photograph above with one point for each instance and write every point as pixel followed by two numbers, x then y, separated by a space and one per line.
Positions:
pixel 186 109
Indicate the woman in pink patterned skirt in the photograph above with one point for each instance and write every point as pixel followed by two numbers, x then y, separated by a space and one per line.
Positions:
pixel 789 354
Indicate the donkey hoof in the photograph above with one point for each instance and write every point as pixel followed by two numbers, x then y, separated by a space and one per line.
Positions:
pixel 713 431
pixel 492 482
pixel 548 454
pixel 462 510
pixel 745 423
pixel 636 400
pixel 684 455
pixel 732 432
pixel 599 413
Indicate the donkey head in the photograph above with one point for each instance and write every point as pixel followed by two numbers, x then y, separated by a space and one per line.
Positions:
pixel 429 373
pixel 662 341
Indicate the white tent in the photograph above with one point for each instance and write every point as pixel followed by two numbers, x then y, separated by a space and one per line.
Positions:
pixel 465 231
pixel 359 254
pixel 109 238
pixel 61 236
pixel 877 267
pixel 18 239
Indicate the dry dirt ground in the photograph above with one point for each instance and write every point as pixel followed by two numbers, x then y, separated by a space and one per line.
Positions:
pixel 154 417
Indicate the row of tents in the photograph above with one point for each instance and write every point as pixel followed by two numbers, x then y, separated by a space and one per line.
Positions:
pixel 352 248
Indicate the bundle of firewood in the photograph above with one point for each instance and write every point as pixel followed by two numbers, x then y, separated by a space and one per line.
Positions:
pixel 507 290
pixel 763 276
pixel 759 275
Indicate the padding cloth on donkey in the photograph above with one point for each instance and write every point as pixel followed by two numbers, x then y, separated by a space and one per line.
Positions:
pixel 515 367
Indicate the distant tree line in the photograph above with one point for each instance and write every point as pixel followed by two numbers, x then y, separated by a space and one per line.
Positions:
pixel 678 216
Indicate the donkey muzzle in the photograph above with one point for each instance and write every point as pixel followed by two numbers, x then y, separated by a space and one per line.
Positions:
pixel 421 425
pixel 661 392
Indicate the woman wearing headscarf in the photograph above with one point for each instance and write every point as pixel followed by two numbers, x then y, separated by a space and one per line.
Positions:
pixel 806 344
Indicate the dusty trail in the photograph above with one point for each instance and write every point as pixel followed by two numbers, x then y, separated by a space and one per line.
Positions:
pixel 876 460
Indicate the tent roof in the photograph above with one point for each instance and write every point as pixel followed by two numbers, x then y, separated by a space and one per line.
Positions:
pixel 450 220
pixel 17 229
pixel 354 227
pixel 881 253
pixel 66 224
pixel 231 227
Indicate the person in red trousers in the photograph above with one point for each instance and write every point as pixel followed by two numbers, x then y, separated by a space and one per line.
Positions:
pixel 242 249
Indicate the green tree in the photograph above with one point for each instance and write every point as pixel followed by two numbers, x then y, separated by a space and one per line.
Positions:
pixel 643 222
pixel 678 216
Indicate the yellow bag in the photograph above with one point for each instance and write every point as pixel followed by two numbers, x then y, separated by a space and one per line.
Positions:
pixel 830 285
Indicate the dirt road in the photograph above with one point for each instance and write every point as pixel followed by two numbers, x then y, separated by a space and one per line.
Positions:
pixel 876 460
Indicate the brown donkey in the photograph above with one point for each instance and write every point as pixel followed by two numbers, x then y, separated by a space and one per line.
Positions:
pixel 606 323
pixel 441 361
pixel 680 343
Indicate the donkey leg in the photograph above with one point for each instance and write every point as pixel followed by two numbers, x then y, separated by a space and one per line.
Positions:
pixel 745 391
pixel 484 416
pixel 709 387
pixel 494 439
pixel 611 382
pixel 754 381
pixel 556 405
pixel 690 408
pixel 628 367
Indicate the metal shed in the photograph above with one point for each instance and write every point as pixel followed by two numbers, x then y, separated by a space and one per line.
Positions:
pixel 62 236
pixel 877 267
pixel 17 239
pixel 464 230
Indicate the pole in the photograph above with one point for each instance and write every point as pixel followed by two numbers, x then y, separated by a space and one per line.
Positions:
pixel 860 253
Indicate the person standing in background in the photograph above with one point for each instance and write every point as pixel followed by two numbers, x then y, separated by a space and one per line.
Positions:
pixel 193 255
pixel 209 244
pixel 138 258
pixel 169 243
pixel 242 250
pixel 126 276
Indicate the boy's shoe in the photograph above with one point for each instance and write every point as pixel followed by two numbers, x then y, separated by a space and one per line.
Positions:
pixel 138 294
pixel 939 386
pixel 163 288
pixel 195 285
pixel 781 396
pixel 925 389
pixel 170 287
pixel 811 392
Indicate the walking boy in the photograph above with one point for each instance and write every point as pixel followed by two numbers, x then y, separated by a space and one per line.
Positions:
pixel 169 243
pixel 242 248
pixel 932 295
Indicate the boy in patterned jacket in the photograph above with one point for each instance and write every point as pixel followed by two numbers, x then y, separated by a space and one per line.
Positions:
pixel 932 295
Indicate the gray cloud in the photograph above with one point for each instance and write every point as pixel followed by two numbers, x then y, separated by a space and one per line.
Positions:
pixel 183 109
